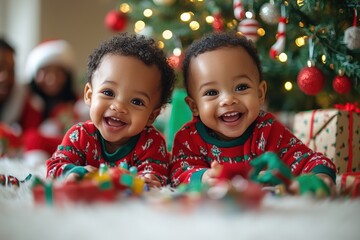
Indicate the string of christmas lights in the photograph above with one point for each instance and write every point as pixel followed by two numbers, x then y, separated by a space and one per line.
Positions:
pixel 332 26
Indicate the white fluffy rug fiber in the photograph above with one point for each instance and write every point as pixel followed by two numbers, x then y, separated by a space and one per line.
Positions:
pixel 277 217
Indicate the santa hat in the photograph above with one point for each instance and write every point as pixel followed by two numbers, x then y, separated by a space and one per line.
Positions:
pixel 52 52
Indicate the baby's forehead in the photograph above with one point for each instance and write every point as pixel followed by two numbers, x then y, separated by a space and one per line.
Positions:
pixel 225 61
pixel 221 55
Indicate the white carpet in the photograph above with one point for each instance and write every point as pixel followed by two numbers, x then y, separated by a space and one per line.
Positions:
pixel 277 218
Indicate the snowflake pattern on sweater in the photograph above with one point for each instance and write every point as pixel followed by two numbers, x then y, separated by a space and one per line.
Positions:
pixel 83 145
pixel 195 148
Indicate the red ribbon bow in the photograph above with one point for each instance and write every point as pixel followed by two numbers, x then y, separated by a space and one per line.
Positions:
pixel 350 107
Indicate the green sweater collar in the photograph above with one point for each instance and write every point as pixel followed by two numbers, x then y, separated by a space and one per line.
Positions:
pixel 207 137
pixel 119 153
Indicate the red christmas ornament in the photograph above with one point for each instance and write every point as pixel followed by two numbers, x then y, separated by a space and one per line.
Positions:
pixel 218 24
pixel 311 80
pixel 116 21
pixel 342 84
pixel 176 61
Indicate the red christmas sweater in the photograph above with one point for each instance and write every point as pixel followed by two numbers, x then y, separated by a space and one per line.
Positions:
pixel 61 117
pixel 83 145
pixel 195 148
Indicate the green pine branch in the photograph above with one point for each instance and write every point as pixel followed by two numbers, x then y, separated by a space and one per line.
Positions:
pixel 323 20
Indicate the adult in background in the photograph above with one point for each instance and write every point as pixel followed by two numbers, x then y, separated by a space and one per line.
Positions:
pixel 12 95
pixel 51 107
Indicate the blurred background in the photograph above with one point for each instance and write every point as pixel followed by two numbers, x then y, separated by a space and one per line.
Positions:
pixel 26 23
pixel 310 30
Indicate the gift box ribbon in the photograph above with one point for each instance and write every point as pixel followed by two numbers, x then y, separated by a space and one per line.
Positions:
pixel 312 135
pixel 351 108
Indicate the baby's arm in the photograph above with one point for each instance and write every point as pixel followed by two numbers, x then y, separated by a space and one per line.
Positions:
pixel 78 172
pixel 153 158
pixel 296 155
pixel 69 154
pixel 269 169
pixel 187 162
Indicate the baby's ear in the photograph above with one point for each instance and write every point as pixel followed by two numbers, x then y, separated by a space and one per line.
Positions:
pixel 153 116
pixel 262 91
pixel 192 105
pixel 87 94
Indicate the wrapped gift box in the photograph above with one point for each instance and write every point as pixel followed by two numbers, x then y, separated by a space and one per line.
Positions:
pixel 349 184
pixel 103 185
pixel 333 132
pixel 77 192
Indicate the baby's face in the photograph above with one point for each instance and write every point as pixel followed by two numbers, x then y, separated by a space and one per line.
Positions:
pixel 225 90
pixel 124 97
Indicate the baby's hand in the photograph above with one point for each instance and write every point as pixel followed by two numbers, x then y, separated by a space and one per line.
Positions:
pixel 78 175
pixel 151 180
pixel 319 185
pixel 211 176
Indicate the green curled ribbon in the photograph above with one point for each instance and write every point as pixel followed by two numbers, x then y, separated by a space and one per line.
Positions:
pixel 310 183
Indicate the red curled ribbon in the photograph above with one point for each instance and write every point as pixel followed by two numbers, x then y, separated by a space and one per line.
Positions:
pixel 351 108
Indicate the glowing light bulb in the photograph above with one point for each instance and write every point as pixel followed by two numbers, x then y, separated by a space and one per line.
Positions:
pixel 261 32
pixel 148 12
pixel 194 25
pixel 300 41
pixel 124 8
pixel 209 19
pixel 300 3
pixel 282 57
pixel 323 58
pixel 185 17
pixel 249 14
pixel 161 44
pixel 167 34
pixel 177 52
pixel 288 86
pixel 139 25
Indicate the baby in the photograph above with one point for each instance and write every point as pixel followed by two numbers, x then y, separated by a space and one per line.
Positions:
pixel 223 79
pixel 129 80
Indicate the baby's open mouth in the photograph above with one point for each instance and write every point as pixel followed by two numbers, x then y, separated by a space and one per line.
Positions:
pixel 231 117
pixel 114 122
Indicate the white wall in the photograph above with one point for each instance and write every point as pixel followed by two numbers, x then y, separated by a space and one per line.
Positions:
pixel 20 26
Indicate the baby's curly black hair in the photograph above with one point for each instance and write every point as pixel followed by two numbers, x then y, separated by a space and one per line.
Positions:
pixel 141 47
pixel 215 40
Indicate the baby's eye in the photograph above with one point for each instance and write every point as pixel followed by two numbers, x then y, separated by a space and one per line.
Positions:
pixel 211 93
pixel 108 93
pixel 138 102
pixel 242 87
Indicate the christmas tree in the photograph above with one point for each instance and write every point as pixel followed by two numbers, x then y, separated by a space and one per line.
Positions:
pixel 310 49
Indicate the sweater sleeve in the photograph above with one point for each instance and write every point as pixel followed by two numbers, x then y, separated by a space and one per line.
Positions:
pixel 153 157
pixel 300 158
pixel 187 162
pixel 74 149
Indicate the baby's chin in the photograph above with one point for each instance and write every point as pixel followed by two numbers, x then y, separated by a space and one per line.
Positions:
pixel 226 136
